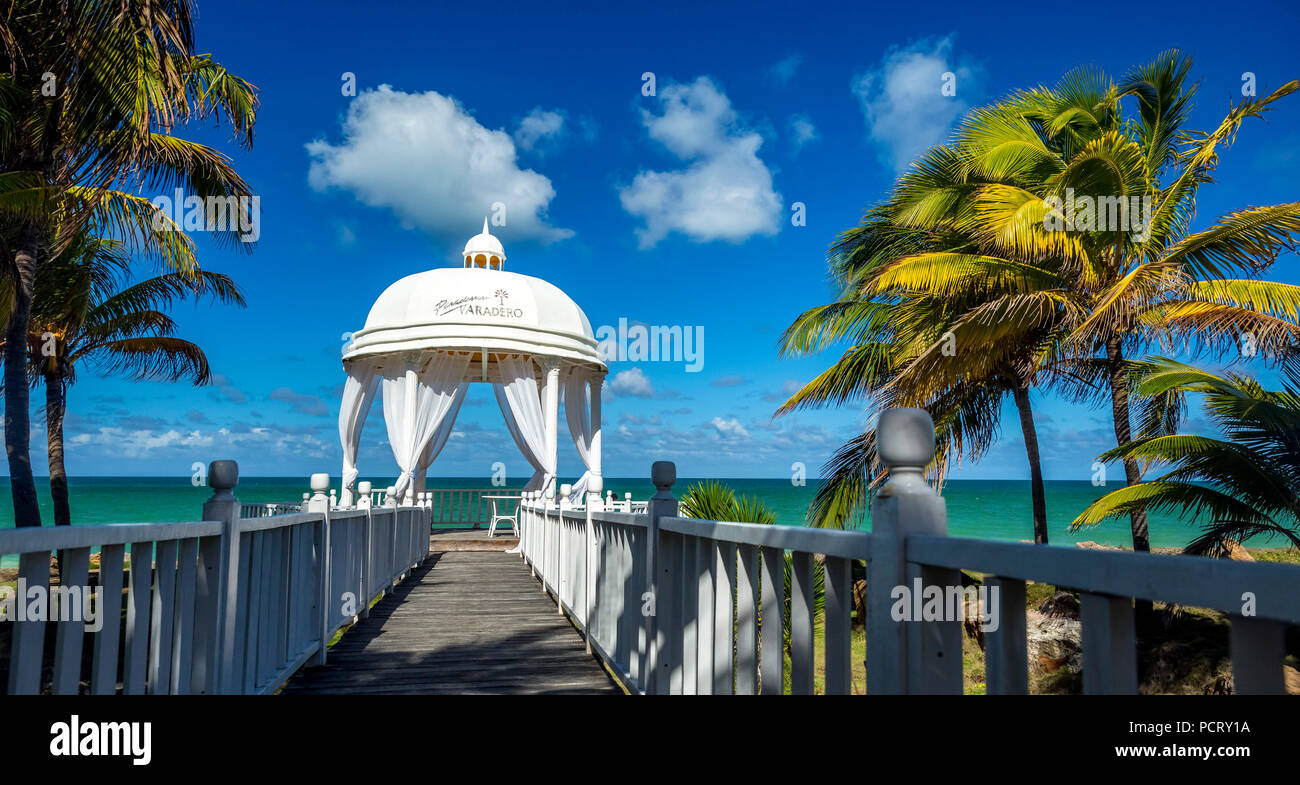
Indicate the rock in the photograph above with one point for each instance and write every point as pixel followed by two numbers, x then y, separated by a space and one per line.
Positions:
pixel 1096 546
pixel 1062 605
pixel 860 602
pixel 1054 644
pixel 1236 551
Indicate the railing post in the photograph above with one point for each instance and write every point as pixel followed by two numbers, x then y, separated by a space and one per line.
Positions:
pixel 562 557
pixel 655 642
pixel 320 483
pixel 219 594
pixel 907 656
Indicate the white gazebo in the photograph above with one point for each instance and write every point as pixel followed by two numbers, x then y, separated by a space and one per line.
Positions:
pixel 431 334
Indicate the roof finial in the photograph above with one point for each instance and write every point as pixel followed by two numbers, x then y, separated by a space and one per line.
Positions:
pixel 485 226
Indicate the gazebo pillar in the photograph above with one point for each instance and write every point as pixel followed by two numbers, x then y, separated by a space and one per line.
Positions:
pixel 552 411
pixel 595 482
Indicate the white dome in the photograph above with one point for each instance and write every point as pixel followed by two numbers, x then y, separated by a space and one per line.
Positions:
pixel 484 243
pixel 475 310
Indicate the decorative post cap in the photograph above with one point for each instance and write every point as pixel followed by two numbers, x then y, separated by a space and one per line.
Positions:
pixel 905 439
pixel 363 486
pixel 320 482
pixel 663 474
pixel 223 475
pixel 566 489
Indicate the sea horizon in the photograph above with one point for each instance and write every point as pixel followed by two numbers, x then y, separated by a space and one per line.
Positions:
pixel 986 509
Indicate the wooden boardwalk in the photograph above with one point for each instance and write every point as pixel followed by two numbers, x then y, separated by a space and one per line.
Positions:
pixel 465 623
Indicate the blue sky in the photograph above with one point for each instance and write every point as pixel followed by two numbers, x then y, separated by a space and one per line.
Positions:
pixel 671 209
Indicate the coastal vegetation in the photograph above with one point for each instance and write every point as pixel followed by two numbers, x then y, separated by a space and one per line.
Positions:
pixel 1244 484
pixel 986 274
pixel 86 311
pixel 91 97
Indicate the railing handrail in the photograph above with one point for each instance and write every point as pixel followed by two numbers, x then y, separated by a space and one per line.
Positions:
pixel 675 604
pixel 30 539
pixel 228 604
pixel 1216 584
pixel 830 542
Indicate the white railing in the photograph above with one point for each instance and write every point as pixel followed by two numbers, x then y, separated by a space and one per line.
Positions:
pixel 463 506
pixel 676 605
pixel 264 509
pixel 228 604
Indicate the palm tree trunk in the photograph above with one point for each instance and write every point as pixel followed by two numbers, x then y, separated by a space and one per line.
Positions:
pixel 1143 610
pixel 1021 395
pixel 1124 435
pixel 55 405
pixel 27 511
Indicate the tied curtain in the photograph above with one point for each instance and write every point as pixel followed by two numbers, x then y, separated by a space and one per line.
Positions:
pixel 577 410
pixel 416 405
pixel 358 396
pixel 521 406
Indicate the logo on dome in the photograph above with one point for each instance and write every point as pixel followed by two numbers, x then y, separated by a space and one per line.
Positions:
pixel 468 306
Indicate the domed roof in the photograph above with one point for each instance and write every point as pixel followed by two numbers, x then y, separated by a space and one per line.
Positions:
pixel 484 243
pixel 476 309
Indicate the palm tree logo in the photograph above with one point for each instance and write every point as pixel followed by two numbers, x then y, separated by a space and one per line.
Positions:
pixel 501 295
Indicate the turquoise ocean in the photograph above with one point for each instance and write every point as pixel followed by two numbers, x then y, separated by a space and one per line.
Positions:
pixel 992 509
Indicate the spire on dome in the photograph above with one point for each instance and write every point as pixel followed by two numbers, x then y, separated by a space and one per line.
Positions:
pixel 484 251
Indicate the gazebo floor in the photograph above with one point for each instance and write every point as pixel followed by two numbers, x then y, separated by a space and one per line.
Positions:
pixel 472 539
pixel 465 622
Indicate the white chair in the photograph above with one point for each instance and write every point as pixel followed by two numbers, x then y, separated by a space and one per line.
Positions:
pixel 498 516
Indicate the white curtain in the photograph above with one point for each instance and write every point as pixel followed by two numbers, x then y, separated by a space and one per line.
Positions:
pixel 577 410
pixel 358 395
pixel 439 438
pixel 521 406
pixel 416 402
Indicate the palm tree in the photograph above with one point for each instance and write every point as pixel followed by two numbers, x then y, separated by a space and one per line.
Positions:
pixel 938 321
pixel 1081 299
pixel 1164 284
pixel 1245 482
pixel 90 93
pixel 86 313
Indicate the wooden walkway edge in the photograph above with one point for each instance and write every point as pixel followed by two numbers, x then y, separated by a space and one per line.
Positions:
pixel 465 623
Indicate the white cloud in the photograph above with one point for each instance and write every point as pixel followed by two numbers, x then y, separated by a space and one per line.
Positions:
pixel 785 69
pixel 139 443
pixel 903 103
pixel 632 382
pixel 538 126
pixel 790 387
pixel 730 427
pixel 423 156
pixel 726 191
pixel 802 131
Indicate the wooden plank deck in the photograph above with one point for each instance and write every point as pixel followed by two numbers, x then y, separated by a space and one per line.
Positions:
pixel 465 623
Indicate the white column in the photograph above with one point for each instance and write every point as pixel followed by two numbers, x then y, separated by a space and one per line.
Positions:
pixel 596 482
pixel 552 404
